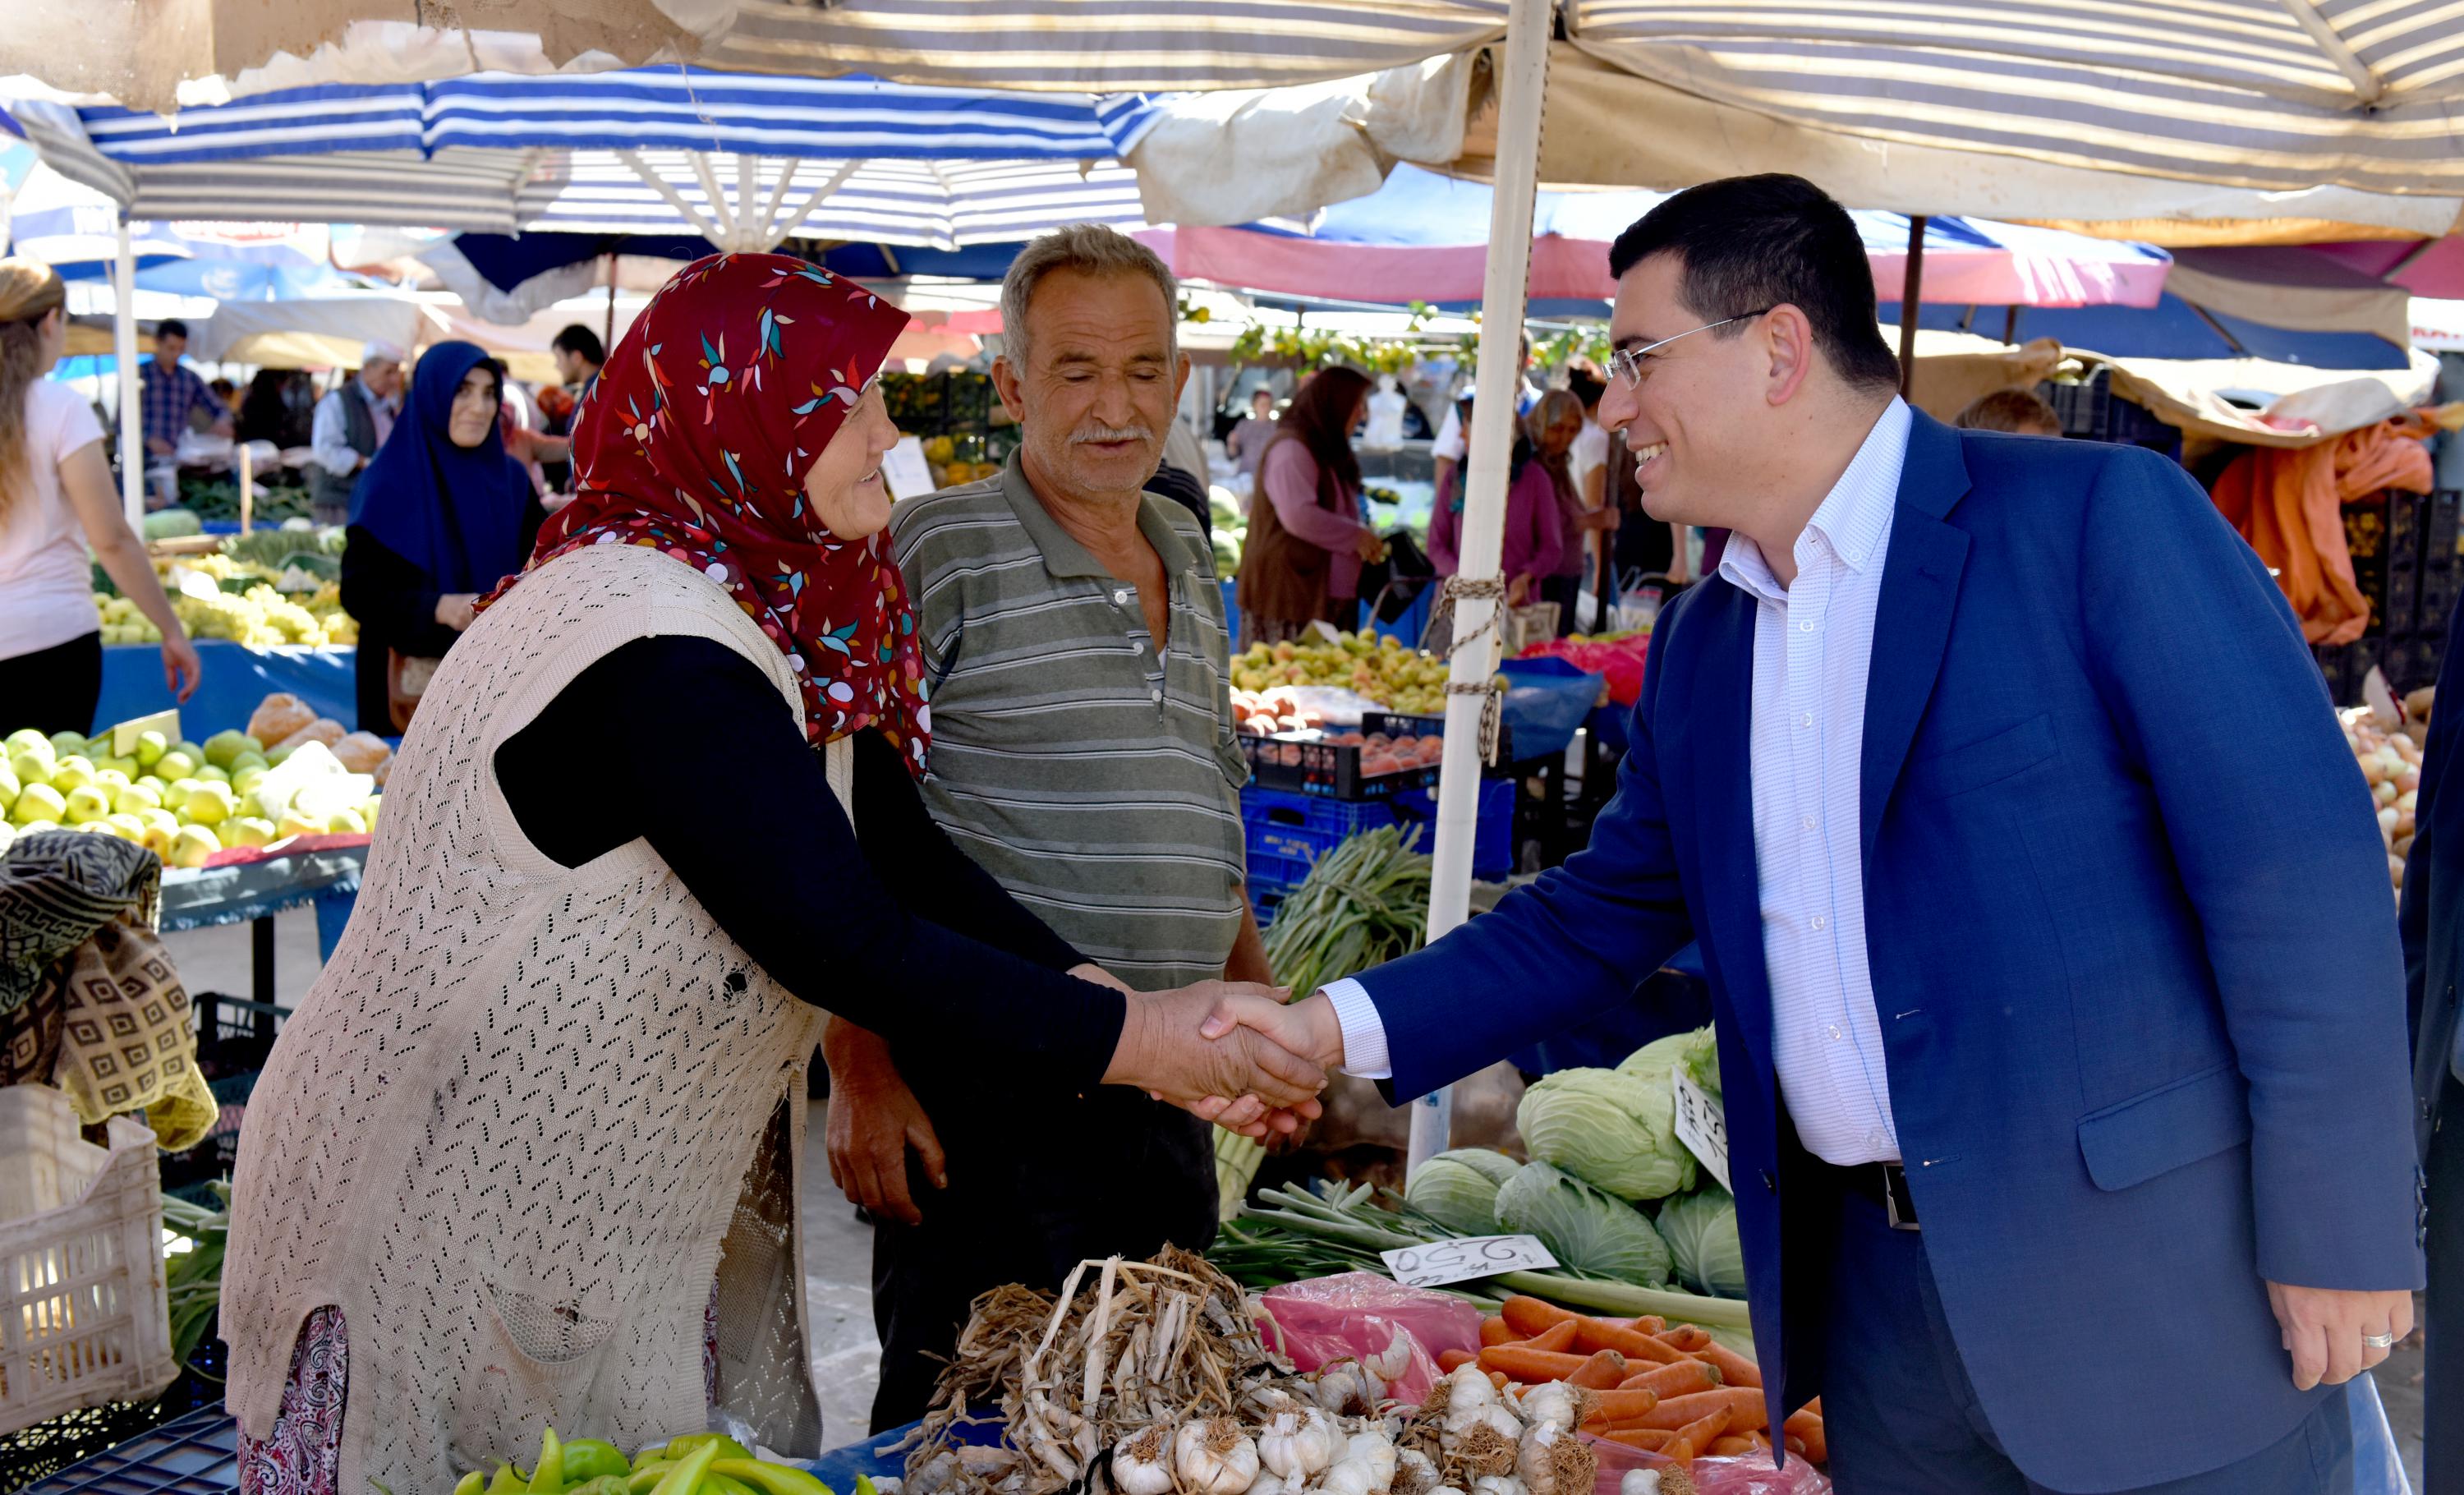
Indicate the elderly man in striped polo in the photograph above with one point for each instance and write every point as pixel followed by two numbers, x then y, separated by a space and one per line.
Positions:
pixel 1083 752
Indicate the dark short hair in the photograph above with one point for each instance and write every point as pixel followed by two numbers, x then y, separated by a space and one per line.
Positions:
pixel 1587 385
pixel 2020 410
pixel 1748 244
pixel 171 327
pixel 581 342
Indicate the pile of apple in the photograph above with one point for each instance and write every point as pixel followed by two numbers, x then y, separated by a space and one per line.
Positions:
pixel 1380 670
pixel 182 801
pixel 2386 740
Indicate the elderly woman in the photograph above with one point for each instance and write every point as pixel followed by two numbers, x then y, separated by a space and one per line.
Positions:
pixel 1308 535
pixel 526 1154
pixel 1556 424
pixel 440 515
pixel 1532 539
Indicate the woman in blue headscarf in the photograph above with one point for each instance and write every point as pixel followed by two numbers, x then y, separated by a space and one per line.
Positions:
pixel 441 515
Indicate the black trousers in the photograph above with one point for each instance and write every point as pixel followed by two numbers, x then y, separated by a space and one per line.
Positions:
pixel 55 688
pixel 2442 1411
pixel 1113 1174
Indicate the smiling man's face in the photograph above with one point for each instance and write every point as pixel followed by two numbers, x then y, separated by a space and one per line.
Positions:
pixel 1692 426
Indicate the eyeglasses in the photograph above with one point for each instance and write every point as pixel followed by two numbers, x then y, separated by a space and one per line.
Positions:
pixel 1628 365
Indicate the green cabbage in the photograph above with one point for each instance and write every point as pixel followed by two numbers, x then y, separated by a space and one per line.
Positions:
pixel 1585 1229
pixel 1693 1052
pixel 1700 1229
pixel 1458 1189
pixel 1615 1130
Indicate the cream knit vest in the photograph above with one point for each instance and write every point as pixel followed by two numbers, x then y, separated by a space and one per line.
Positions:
pixel 511 1127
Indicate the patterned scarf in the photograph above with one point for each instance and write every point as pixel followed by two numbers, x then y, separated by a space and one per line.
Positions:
pixel 695 441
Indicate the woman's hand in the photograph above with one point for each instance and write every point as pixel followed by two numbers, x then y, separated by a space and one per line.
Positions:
pixel 1371 548
pixel 1091 972
pixel 873 1119
pixel 182 668
pixel 1516 590
pixel 453 609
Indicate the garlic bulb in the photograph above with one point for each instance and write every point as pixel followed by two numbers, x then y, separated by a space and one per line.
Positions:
pixel 1348 1477
pixel 1214 1458
pixel 1141 1463
pixel 1346 1390
pixel 1390 1363
pixel 1272 1485
pixel 1469 1394
pixel 1549 1402
pixel 1555 1461
pixel 1415 1474
pixel 1297 1445
pixel 1376 1450
pixel 1639 1482
pixel 1498 1484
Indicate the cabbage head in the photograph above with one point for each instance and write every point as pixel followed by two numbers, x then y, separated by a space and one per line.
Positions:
pixel 1693 1052
pixel 1617 1132
pixel 1458 1189
pixel 1700 1229
pixel 1585 1229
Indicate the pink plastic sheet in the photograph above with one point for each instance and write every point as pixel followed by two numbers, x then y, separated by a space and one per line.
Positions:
pixel 1358 1315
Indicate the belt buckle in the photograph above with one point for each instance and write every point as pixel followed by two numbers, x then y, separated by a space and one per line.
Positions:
pixel 1898 1205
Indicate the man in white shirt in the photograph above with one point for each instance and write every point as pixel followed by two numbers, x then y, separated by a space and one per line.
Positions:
pixel 2033 1022
pixel 1451 443
pixel 351 423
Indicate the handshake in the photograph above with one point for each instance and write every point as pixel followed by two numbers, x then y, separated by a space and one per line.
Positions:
pixel 1231 1053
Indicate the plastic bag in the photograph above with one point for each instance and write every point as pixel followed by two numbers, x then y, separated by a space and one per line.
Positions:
pixel 1735 1476
pixel 1359 1316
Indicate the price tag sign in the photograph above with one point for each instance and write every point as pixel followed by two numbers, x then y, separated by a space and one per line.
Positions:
pixel 904 468
pixel 1444 1261
pixel 1701 1126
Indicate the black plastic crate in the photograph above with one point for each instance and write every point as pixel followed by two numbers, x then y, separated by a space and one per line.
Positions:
pixel 107 1453
pixel 2441 581
pixel 1287 763
pixel 2442 542
pixel 2091 411
pixel 2346 665
pixel 2412 663
pixel 233 1037
pixel 2366 540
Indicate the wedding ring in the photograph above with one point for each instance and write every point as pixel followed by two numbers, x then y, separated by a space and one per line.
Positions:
pixel 2379 1341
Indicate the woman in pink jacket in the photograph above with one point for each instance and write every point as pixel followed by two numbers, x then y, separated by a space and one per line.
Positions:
pixel 1534 531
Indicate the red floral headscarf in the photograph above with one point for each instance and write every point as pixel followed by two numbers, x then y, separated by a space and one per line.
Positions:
pixel 695 441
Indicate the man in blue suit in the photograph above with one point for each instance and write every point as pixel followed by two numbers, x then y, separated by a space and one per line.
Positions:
pixel 2059 1004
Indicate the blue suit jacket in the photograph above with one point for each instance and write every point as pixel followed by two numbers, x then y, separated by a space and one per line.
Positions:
pixel 2434 897
pixel 2132 945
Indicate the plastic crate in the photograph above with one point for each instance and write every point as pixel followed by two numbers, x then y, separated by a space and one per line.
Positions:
pixel 1492 844
pixel 2091 411
pixel 233 1037
pixel 1288 832
pixel 197 1454
pixel 83 1317
pixel 1295 763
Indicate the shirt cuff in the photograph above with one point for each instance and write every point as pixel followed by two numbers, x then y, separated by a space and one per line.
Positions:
pixel 1364 1032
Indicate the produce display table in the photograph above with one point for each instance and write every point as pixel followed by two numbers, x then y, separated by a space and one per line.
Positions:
pixel 236 678
pixel 326 875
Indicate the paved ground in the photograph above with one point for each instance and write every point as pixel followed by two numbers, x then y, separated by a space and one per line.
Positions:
pixel 839 1248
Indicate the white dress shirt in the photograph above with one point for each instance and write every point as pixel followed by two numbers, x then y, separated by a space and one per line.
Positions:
pixel 1813 643
pixel 329 438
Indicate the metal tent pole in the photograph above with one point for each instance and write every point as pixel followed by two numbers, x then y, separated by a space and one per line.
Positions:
pixel 1521 77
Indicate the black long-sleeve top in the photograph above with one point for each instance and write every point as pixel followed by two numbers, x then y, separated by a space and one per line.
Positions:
pixel 862 919
pixel 394 603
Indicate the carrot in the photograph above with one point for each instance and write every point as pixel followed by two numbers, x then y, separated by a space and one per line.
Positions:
pixel 1453 1360
pixel 1674 1380
pixel 1730 1447
pixel 1497 1378
pixel 1744 1402
pixel 1495 1330
pixel 1609 1408
pixel 1649 1438
pixel 1689 1338
pixel 1603 1371
pixel 1649 1324
pixel 1698 1436
pixel 1529 1315
pixel 1523 1363
pixel 1632 1343
pixel 1556 1338
pixel 1806 1425
pixel 1762 1440
pixel 1736 1370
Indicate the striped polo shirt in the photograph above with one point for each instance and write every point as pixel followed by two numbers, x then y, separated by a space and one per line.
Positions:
pixel 1099 784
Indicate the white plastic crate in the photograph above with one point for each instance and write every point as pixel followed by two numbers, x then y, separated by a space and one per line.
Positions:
pixel 83 1319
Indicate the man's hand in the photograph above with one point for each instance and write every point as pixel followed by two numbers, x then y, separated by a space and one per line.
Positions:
pixel 2323 1329
pixel 1307 1028
pixel 1241 1079
pixel 873 1120
pixel 159 446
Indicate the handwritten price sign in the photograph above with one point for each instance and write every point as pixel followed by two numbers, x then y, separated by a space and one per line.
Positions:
pixel 1444 1261
pixel 1701 1126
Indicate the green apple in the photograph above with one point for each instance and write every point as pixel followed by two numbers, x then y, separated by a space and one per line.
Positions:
pixel 9 787
pixel 273 756
pixel 32 764
pixel 176 796
pixel 228 744
pixel 73 772
pixel 96 827
pixel 69 744
pixel 246 761
pixel 192 845
pixel 88 803
pixel 24 737
pixel 127 827
pixel 346 823
pixel 127 768
pixel 39 802
pixel 137 797
pixel 111 778
pixel 368 809
pixel 294 824
pixel 210 805
pixel 31 826
pixel 150 748
pixel 246 830
pixel 175 765
pixel 209 774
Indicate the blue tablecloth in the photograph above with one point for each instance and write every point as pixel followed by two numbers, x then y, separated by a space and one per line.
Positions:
pixel 236 678
pixel 200 898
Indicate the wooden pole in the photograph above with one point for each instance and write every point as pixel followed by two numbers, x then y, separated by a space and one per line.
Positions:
pixel 607 339
pixel 1911 293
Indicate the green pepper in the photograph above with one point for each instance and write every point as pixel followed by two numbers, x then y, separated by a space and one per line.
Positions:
pixel 587 1459
pixel 470 1483
pixel 685 1478
pixel 549 1479
pixel 722 1484
pixel 509 1481
pixel 603 1485
pixel 689 1444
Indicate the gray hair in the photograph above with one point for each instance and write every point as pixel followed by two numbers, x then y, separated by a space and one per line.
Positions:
pixel 1090 248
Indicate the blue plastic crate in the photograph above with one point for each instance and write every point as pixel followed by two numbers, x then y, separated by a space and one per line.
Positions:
pixel 1492 842
pixel 1288 832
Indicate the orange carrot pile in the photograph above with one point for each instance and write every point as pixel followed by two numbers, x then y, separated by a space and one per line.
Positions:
pixel 1669 1388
